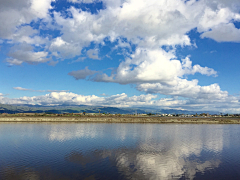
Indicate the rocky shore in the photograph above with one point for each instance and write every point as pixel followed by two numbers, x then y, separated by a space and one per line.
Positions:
pixel 131 119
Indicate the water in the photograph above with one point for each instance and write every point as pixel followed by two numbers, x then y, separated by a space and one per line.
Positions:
pixel 36 151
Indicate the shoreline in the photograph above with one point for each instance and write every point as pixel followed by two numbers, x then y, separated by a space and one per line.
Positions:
pixel 135 119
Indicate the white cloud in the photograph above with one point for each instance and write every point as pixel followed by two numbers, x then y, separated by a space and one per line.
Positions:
pixel 158 71
pixel 146 24
pixel 76 33
pixel 82 74
pixel 28 35
pixel 223 33
pixel 214 17
pixel 14 13
pixel 41 8
pixel 234 5
pixel 21 89
pixel 65 49
pixel 30 57
pixel 187 89
pixel 13 61
pixel 189 69
pixel 135 20
pixel 32 90
pixel 145 20
pixel 93 54
pixel 24 53
pixel 223 103
pixel 56 98
pixel 153 66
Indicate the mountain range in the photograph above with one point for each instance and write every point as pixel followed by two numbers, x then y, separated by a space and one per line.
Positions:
pixel 25 108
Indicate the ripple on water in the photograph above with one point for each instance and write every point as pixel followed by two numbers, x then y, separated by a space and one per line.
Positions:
pixel 118 151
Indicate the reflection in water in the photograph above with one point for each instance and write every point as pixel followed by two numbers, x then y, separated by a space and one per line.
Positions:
pixel 155 160
pixel 63 133
pixel 113 151
pixel 169 163
pixel 11 173
pixel 46 173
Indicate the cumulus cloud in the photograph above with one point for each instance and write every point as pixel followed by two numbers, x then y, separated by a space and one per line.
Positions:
pixel 136 20
pixel 158 71
pixel 57 98
pixel 15 17
pixel 64 48
pixel 224 104
pixel 13 61
pixel 223 33
pixel 189 69
pixel 25 53
pixel 185 88
pixel 214 17
pixel 153 66
pixel 14 13
pixel 28 35
pixel 148 25
pixel 144 23
pixel 29 57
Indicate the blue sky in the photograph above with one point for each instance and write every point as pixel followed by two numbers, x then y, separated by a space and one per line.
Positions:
pixel 171 54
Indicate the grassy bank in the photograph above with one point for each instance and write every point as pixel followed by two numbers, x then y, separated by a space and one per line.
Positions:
pixel 124 120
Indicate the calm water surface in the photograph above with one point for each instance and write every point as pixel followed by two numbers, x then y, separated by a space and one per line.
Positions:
pixel 118 151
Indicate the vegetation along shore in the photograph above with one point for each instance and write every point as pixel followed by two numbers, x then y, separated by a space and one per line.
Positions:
pixel 122 119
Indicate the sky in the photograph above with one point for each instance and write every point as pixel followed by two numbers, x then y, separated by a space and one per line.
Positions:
pixel 166 54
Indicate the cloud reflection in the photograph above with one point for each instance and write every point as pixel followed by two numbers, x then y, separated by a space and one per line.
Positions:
pixel 73 131
pixel 138 151
pixel 159 151
pixel 169 164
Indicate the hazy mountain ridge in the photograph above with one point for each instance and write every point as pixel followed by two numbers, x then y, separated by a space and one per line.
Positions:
pixel 12 109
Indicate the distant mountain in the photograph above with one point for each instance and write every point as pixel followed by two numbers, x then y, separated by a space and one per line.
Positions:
pixel 12 109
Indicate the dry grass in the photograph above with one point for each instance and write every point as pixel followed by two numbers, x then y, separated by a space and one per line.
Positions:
pixel 123 119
